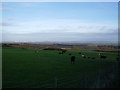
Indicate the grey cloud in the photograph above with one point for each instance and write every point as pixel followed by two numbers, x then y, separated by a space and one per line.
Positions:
pixel 5 9
pixel 103 28
pixel 27 4
pixel 6 24
pixel 61 37
pixel 10 19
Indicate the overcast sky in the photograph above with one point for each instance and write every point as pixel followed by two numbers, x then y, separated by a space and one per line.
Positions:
pixel 59 21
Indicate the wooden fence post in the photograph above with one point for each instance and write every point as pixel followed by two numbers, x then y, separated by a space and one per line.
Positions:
pixel 55 82
pixel 85 81
pixel 98 79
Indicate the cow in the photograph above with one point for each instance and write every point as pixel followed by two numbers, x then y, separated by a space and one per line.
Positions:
pixel 103 57
pixel 99 54
pixel 69 53
pixel 64 51
pixel 88 57
pixel 93 57
pixel 82 55
pixel 118 59
pixel 72 59
pixel 60 53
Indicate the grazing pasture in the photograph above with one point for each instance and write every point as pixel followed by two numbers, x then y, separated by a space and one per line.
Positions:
pixel 27 68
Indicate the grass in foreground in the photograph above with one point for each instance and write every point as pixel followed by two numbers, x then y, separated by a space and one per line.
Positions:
pixel 23 66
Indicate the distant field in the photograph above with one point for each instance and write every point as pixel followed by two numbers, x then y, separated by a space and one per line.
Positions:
pixel 22 67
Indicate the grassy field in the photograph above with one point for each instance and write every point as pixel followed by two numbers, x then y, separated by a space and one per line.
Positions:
pixel 0 67
pixel 22 67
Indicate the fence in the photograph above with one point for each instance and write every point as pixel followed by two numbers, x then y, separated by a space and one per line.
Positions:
pixel 102 78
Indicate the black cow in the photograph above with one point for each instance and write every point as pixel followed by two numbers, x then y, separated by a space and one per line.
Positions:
pixel 93 57
pixel 73 59
pixel 103 57
pixel 88 57
pixel 64 51
pixel 60 53
pixel 69 54
pixel 118 59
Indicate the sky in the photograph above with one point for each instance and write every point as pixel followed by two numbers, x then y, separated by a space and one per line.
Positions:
pixel 59 21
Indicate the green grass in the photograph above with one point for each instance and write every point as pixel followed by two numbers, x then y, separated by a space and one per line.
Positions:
pixel 0 67
pixel 23 66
